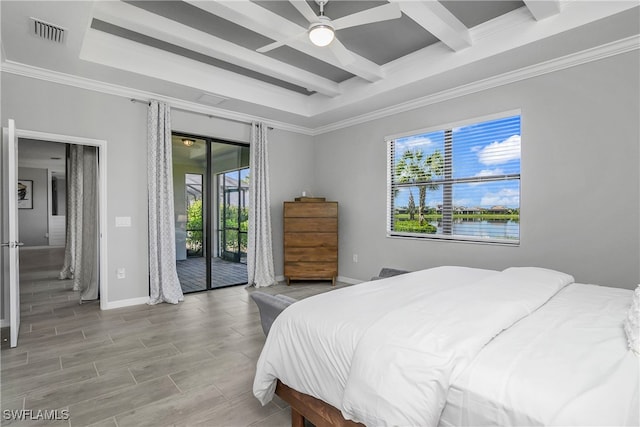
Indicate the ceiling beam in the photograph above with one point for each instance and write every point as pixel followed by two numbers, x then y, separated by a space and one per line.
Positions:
pixel 435 18
pixel 541 9
pixel 141 21
pixel 117 52
pixel 263 21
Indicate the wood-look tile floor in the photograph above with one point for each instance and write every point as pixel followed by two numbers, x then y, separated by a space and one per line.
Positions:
pixel 163 365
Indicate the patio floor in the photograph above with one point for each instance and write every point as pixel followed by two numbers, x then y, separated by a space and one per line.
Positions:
pixel 192 273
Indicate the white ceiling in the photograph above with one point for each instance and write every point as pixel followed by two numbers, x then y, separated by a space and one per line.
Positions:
pixel 202 55
pixel 41 154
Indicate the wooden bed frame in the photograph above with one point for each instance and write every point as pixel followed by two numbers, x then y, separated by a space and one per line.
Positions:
pixel 303 406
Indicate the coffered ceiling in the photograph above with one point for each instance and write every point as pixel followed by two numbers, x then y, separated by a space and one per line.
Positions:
pixel 253 59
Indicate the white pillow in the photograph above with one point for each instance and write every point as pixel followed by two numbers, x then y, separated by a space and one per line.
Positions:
pixel 632 323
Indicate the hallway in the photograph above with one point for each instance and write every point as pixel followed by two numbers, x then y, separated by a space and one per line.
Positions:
pixel 41 293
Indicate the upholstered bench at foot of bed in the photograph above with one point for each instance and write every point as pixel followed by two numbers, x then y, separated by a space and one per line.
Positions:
pixel 270 306
pixel 388 272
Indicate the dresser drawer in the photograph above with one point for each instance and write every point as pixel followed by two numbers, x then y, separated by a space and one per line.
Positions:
pixel 310 270
pixel 315 254
pixel 310 240
pixel 306 210
pixel 327 225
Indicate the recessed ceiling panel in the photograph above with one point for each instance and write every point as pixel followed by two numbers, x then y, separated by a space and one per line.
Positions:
pixel 309 63
pixel 159 44
pixel 348 86
pixel 285 9
pixel 194 17
pixel 335 9
pixel 385 41
pixel 475 12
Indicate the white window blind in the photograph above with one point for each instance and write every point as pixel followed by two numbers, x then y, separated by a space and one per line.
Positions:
pixel 458 183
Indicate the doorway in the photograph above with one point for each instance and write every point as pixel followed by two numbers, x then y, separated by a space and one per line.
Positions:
pixel 42 169
pixel 101 146
pixel 55 176
pixel 211 190
pixel 11 270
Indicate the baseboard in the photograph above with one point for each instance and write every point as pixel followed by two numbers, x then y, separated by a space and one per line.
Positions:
pixel 348 280
pixel 123 303
pixel 280 278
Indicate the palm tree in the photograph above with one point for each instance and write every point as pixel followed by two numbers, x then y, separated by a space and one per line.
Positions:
pixel 415 168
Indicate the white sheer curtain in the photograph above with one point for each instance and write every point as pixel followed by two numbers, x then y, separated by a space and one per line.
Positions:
pixel 163 277
pixel 259 252
pixel 81 260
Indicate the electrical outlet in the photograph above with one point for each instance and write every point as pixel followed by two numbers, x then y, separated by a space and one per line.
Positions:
pixel 355 257
pixel 121 273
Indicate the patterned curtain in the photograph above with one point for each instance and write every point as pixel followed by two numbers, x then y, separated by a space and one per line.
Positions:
pixel 163 277
pixel 74 193
pixel 81 261
pixel 259 252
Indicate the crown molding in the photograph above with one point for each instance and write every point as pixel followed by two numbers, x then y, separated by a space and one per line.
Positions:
pixel 593 54
pixel 24 70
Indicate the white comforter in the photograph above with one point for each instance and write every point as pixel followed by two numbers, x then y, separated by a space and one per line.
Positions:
pixel 385 352
pixel 566 365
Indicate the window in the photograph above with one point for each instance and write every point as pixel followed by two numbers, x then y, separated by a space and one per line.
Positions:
pixel 458 183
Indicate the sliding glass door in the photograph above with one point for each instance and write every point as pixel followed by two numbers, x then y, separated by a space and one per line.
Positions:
pixel 211 187
pixel 233 193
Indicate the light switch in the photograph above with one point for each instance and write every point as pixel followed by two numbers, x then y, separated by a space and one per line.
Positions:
pixel 123 221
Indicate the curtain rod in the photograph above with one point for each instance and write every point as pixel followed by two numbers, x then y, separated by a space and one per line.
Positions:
pixel 211 116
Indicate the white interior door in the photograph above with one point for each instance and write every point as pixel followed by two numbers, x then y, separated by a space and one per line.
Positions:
pixel 12 244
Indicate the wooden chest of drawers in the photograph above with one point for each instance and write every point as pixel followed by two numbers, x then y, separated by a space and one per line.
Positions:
pixel 311 240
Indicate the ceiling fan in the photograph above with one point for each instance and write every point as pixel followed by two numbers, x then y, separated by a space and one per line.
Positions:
pixel 321 31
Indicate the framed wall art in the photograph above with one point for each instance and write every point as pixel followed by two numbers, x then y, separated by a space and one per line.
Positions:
pixel 25 194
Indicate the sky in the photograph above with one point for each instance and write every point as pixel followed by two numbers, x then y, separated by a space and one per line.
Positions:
pixel 482 149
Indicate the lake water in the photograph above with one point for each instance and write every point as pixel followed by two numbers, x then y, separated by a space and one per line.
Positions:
pixel 502 229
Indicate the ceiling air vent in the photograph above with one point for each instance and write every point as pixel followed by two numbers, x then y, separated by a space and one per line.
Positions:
pixel 47 31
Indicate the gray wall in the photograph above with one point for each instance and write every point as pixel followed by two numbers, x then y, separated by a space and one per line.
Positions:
pixel 33 223
pixel 71 111
pixel 580 183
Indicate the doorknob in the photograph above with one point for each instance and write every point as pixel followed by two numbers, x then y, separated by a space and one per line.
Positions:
pixel 12 244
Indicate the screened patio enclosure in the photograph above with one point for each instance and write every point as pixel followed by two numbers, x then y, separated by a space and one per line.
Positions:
pixel 211 194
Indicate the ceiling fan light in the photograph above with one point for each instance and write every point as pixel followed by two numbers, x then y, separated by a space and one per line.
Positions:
pixel 321 34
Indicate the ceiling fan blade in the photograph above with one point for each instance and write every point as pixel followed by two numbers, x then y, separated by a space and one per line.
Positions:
pixel 271 46
pixel 375 14
pixel 279 43
pixel 306 11
pixel 342 54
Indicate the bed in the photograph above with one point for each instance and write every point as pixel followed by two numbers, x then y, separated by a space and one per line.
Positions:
pixel 455 346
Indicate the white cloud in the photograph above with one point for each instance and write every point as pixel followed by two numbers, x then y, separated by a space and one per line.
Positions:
pixel 500 152
pixel 504 197
pixel 490 172
pixel 413 142
pixel 486 172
